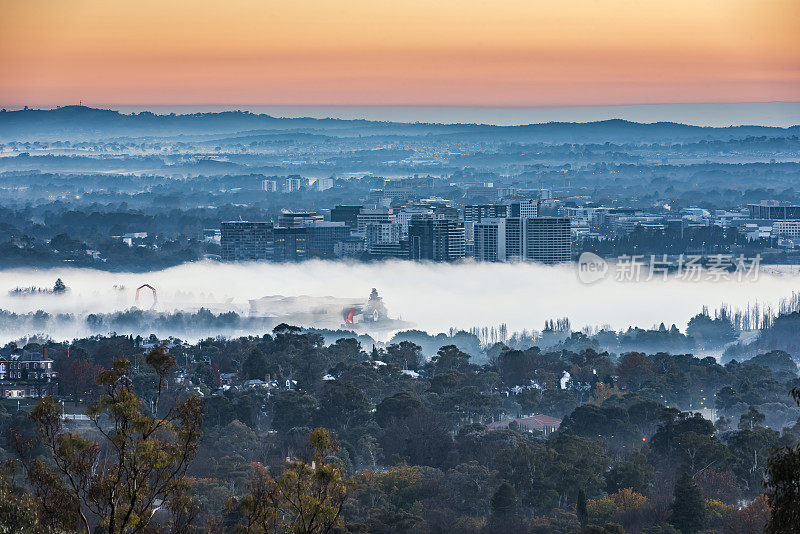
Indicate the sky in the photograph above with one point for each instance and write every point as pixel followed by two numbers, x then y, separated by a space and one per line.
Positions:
pixel 398 52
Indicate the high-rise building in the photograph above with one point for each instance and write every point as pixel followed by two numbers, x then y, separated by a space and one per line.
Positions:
pixel 548 239
pixel 526 208
pixel 404 215
pixel 436 239
pixel 297 219
pixel 246 241
pixel 323 184
pixel 377 215
pixel 490 240
pixel 397 250
pixel 351 247
pixel 292 183
pixel 478 212
pixel 382 233
pixel 291 244
pixel 383 240
pixel 323 236
pixel 515 244
pixel 347 214
pixel 286 184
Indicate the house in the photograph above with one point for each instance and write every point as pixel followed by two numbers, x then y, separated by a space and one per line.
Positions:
pixel 254 383
pixel 26 374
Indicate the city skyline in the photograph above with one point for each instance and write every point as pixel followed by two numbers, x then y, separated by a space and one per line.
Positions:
pixel 410 53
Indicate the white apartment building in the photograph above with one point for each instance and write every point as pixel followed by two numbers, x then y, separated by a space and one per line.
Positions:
pixel 786 229
pixel 489 237
pixel 374 216
pixel 404 215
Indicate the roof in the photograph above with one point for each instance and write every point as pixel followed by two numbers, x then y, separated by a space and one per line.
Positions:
pixel 23 356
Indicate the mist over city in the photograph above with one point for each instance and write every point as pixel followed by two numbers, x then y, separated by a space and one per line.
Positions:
pixel 442 296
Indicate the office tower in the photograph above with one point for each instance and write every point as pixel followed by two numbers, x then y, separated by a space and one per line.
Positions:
pixel 245 241
pixel 404 215
pixel 436 239
pixel 377 215
pixel 478 212
pixel 351 247
pixel 490 240
pixel 297 219
pixel 548 239
pixel 382 233
pixel 323 236
pixel 446 212
pixel 772 209
pixel 291 244
pixel 383 240
pixel 515 244
pixel 524 208
pixel 347 214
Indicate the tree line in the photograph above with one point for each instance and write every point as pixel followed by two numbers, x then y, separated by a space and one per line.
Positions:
pixel 383 439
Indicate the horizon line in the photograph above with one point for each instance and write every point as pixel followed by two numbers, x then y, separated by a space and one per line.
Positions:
pixel 50 106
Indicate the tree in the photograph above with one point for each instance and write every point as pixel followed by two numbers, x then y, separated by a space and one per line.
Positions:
pixel 504 500
pixel 751 419
pixel 423 438
pixel 292 409
pixel 783 486
pixel 711 332
pixel 449 358
pixel 59 286
pixel 139 465
pixel 755 517
pixel 516 367
pixel 700 451
pixel 346 349
pixel 718 485
pixel 530 468
pixel 398 406
pixel 77 378
pixel 64 243
pixel 635 473
pixel 580 463
pixel 751 451
pixel 580 508
pixel 18 509
pixel 504 515
pixel 306 498
pixel 255 366
pixel 688 511
pixel 634 369
pixel 470 486
pixel 406 354
pixel 341 405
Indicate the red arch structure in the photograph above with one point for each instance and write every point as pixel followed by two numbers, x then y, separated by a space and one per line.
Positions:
pixel 348 314
pixel 151 288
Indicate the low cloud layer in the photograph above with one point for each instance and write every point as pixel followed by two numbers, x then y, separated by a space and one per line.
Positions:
pixel 435 297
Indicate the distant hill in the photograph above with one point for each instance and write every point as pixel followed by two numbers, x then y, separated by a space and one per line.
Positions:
pixel 71 122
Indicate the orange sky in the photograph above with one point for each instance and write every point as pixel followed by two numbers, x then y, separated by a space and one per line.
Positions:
pixel 364 52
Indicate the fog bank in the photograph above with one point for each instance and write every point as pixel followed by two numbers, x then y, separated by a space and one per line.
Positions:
pixel 434 297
